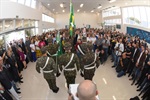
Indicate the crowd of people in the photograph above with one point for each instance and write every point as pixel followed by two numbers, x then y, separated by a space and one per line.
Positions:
pixel 131 56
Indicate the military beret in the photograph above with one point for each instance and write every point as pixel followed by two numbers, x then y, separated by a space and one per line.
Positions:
pixel 67 45
pixel 43 50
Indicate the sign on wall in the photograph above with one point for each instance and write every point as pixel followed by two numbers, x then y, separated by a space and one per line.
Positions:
pixel 140 33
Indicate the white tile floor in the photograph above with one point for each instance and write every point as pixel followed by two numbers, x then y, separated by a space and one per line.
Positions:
pixel 110 87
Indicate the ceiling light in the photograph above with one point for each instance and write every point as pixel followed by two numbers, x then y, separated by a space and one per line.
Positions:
pixel 78 10
pixel 111 1
pixel 63 11
pixel 92 11
pixel 81 5
pixel 48 4
pixel 53 9
pixel 61 5
pixel 100 6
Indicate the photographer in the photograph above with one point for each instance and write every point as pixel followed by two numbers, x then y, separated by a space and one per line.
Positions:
pixel 119 48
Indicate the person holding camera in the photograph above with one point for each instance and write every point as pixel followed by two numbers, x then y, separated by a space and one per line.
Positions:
pixel 119 48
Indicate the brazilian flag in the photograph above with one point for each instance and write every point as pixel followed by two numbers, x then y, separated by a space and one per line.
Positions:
pixel 71 22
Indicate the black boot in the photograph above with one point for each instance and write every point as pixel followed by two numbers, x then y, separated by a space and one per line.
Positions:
pixel 55 91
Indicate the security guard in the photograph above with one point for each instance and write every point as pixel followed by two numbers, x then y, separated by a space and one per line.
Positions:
pixel 47 66
pixel 68 60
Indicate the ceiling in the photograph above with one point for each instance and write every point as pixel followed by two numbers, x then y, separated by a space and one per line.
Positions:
pixel 89 5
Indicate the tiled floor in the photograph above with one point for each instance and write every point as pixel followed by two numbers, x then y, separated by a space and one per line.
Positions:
pixel 110 87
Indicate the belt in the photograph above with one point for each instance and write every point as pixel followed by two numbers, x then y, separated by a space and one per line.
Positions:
pixel 89 67
pixel 48 71
pixel 70 69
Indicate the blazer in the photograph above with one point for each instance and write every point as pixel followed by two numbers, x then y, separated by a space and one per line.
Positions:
pixel 142 59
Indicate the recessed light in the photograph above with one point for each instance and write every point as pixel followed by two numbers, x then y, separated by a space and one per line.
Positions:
pixel 61 5
pixel 48 4
pixel 78 10
pixel 81 5
pixel 53 9
pixel 92 11
pixel 100 6
pixel 63 10
pixel 111 1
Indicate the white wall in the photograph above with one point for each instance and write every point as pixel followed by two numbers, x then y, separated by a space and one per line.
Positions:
pixel 80 19
pixel 11 10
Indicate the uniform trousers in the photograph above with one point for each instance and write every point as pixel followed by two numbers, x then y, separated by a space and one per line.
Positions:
pixel 89 73
pixel 70 80
pixel 52 84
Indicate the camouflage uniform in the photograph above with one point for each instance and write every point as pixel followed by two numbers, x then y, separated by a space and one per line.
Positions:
pixel 89 62
pixel 69 69
pixel 90 65
pixel 48 70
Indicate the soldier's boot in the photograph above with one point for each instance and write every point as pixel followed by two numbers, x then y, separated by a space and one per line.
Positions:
pixel 81 73
pixel 55 91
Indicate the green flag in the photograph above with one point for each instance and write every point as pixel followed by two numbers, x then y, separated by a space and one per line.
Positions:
pixel 59 52
pixel 71 22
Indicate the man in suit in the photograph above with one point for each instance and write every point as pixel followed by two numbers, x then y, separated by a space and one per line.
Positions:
pixel 139 64
pixel 133 58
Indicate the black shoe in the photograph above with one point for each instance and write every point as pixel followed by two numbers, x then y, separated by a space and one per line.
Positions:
pixel 18 92
pixel 136 83
pixel 138 86
pixel 20 81
pixel 81 74
pixel 138 90
pixel 112 66
pixel 132 83
pixel 131 79
pixel 55 91
pixel 18 88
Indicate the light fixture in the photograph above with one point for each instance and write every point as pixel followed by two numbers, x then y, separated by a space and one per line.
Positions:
pixel 48 4
pixel 92 11
pixel 78 10
pixel 53 9
pixel 62 5
pixel 126 3
pixel 111 1
pixel 81 5
pixel 63 10
pixel 100 6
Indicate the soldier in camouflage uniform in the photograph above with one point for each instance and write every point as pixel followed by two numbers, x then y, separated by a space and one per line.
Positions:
pixel 89 63
pixel 68 60
pixel 47 66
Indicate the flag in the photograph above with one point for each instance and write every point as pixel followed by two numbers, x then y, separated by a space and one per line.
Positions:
pixel 59 52
pixel 71 22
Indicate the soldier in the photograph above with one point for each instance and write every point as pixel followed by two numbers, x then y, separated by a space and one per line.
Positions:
pixel 68 60
pixel 89 63
pixel 47 66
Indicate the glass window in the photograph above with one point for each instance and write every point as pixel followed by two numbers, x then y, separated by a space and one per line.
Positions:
pixel 148 15
pixel 131 15
pixel 28 2
pixel 21 1
pixel 144 19
pixel 125 15
pixel 33 3
pixel 1 26
pixel 36 23
pixel 18 23
pixel 137 18
pixel 32 23
pixel 8 24
pixel 26 23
